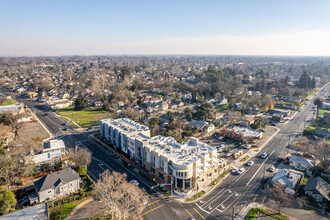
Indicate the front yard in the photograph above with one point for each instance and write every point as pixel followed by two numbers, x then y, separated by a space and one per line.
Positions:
pixel 85 118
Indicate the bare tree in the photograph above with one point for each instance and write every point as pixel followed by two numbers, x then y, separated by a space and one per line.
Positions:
pixel 8 170
pixel 224 131
pixel 79 156
pixel 232 134
pixel 121 200
pixel 281 198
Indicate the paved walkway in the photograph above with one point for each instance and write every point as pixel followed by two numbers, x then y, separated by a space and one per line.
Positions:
pixel 85 210
pixel 290 213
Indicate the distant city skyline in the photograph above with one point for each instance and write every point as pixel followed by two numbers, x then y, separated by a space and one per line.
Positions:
pixel 215 27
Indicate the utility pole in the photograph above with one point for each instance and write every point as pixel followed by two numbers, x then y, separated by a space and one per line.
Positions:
pixel 233 213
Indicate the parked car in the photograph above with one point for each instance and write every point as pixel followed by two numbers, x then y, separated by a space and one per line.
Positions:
pixel 264 155
pixel 229 154
pixel 135 182
pixel 234 171
pixel 240 171
pixel 271 169
pixel 247 146
pixel 250 163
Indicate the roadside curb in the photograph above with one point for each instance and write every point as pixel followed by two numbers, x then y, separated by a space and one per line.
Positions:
pixel 78 207
pixel 207 191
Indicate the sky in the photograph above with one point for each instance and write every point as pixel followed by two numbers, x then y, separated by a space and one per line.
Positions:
pixel 125 27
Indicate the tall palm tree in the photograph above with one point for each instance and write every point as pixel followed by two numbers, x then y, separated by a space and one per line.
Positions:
pixel 319 103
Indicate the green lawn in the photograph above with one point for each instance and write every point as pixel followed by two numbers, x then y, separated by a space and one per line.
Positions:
pixel 85 118
pixel 8 102
pixel 321 112
pixel 245 158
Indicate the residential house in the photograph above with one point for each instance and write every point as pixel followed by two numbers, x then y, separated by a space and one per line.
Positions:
pixel 164 105
pixel 98 104
pixel 59 103
pixel 50 158
pixel 15 108
pixel 176 104
pixel 121 104
pixel 324 133
pixel 288 178
pixel 301 163
pixel 201 126
pixel 53 145
pixel 277 117
pixel 32 95
pixel 221 101
pixel 57 184
pixel 318 189
pixel 247 121
pixel 218 115
pixel 248 132
pixel 282 112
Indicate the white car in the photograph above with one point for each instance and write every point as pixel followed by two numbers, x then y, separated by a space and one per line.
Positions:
pixel 271 169
pixel 240 171
pixel 250 163
pixel 264 155
pixel 135 182
pixel 247 146
pixel 234 171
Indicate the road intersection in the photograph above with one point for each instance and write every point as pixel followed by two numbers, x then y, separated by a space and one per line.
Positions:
pixel 225 201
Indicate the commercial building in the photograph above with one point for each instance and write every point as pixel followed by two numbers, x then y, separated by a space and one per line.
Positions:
pixel 183 165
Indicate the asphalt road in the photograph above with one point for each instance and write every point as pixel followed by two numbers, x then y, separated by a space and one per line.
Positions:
pixel 223 202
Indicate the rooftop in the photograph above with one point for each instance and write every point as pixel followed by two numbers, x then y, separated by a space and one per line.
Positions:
pixel 37 212
pixel 50 181
pixel 54 144
pixel 287 177
pixel 39 158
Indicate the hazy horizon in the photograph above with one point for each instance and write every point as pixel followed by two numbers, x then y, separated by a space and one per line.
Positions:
pixel 84 28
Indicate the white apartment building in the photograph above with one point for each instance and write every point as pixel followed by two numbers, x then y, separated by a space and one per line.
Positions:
pixel 184 165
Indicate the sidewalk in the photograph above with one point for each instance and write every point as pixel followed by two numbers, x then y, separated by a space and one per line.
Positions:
pixel 77 208
pixel 290 213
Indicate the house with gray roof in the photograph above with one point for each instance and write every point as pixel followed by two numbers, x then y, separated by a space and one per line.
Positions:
pixel 318 189
pixel 57 184
pixel 301 163
pixel 288 178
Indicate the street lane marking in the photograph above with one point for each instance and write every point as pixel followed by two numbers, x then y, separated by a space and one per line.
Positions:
pixel 145 206
pixel 260 167
pixel 215 197
pixel 221 204
pixel 153 202
pixel 186 210
pixel 263 200
pixel 155 208
pixel 199 213
pixel 255 197
pixel 203 209
pixel 231 203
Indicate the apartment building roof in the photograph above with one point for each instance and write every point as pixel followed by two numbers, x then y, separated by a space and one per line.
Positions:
pixel 180 154
pixel 126 125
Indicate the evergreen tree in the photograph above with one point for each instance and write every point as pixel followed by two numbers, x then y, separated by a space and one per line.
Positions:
pixel 313 83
